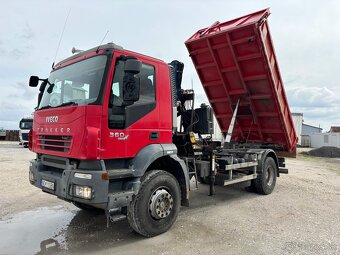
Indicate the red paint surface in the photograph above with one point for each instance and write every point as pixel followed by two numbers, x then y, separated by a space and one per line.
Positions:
pixel 236 60
pixel 88 125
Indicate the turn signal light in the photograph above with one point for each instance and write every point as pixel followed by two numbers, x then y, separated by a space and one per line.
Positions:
pixel 105 176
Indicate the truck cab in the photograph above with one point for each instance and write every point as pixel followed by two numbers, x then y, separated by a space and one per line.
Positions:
pixel 104 118
pixel 85 114
pixel 25 125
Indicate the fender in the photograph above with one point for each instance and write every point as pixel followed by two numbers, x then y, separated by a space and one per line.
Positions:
pixel 272 154
pixel 146 156
pixel 165 157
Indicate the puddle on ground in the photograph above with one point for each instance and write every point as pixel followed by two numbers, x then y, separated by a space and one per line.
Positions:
pixel 57 230
pixel 23 233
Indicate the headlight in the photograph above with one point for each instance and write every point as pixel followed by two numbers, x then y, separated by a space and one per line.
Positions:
pixel 31 176
pixel 83 191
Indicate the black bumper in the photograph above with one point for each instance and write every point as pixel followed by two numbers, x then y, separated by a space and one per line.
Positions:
pixel 65 181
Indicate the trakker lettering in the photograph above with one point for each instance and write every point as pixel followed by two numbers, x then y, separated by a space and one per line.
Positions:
pixel 54 130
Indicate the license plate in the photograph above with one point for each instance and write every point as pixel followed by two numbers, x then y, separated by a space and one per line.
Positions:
pixel 47 184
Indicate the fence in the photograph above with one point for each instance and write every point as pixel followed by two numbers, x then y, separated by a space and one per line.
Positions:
pixel 9 135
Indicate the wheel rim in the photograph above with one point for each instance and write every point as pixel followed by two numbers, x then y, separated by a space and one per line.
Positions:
pixel 161 204
pixel 270 176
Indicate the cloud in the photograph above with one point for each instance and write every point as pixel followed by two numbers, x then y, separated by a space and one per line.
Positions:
pixel 17 100
pixel 23 91
pixel 9 47
pixel 306 55
pixel 315 97
pixel 11 54
pixel 11 111
pixel 26 33
pixel 319 105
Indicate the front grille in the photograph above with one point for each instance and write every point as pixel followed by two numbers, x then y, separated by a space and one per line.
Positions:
pixel 24 136
pixel 55 161
pixel 55 142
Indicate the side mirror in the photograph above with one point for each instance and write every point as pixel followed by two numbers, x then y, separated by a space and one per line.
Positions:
pixel 131 83
pixel 131 87
pixel 34 81
pixel 132 66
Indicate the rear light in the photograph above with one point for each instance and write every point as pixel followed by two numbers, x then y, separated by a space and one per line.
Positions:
pixel 30 139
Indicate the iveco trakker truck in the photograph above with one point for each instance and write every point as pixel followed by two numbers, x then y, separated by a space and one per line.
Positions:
pixel 105 130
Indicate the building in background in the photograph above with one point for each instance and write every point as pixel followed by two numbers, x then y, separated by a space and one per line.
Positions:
pixel 334 129
pixel 325 139
pixel 2 133
pixel 9 135
pixel 307 131
pixel 298 120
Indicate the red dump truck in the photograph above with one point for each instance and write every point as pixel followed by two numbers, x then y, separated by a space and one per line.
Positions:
pixel 106 132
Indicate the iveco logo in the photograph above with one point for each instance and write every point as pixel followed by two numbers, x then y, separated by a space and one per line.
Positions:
pixel 52 119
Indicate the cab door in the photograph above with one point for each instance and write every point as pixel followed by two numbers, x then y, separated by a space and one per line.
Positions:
pixel 129 128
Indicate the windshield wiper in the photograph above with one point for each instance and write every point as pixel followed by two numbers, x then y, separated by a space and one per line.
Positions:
pixel 61 105
pixel 66 104
pixel 45 107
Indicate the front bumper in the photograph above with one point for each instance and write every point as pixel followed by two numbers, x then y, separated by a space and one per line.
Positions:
pixel 65 181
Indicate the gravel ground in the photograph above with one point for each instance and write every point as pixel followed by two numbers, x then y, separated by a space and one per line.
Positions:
pixel 326 151
pixel 301 216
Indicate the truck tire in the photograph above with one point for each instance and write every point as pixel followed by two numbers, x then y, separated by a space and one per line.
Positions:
pixel 265 182
pixel 155 208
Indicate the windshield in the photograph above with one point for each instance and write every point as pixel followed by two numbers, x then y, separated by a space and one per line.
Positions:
pixel 26 124
pixel 78 83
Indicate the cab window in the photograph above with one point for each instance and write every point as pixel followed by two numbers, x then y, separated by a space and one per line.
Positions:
pixel 122 116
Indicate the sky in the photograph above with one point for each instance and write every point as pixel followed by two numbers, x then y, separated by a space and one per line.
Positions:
pixel 306 38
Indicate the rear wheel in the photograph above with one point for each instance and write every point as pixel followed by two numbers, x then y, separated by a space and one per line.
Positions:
pixel 155 208
pixel 265 181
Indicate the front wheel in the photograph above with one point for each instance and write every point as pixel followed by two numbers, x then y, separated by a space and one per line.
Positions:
pixel 266 180
pixel 155 208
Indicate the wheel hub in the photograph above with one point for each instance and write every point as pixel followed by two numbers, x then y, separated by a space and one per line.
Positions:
pixel 161 204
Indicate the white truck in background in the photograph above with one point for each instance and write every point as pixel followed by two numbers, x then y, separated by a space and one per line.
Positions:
pixel 25 125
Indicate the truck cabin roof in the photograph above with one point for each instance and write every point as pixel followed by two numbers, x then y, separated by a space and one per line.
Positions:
pixel 108 47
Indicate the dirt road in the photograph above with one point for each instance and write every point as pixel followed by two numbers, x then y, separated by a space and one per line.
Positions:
pixel 301 216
